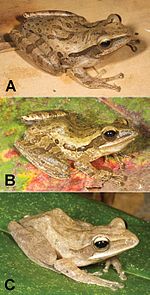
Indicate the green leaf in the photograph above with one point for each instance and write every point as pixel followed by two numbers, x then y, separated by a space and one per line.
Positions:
pixel 32 279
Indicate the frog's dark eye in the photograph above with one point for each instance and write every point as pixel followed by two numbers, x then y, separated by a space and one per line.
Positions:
pixel 101 243
pixel 105 43
pixel 110 134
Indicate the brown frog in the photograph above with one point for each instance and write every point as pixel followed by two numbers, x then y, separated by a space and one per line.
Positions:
pixel 57 136
pixel 56 241
pixel 64 42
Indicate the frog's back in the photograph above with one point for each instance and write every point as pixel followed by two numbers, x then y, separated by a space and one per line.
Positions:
pixel 62 33
pixel 67 124
pixel 60 222
pixel 75 127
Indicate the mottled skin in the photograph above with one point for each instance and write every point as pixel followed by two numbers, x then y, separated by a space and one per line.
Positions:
pixel 57 136
pixel 63 42
pixel 56 241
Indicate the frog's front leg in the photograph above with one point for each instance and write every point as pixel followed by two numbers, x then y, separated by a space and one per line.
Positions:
pixel 83 165
pixel 35 48
pixel 33 244
pixel 71 270
pixel 116 265
pixel 84 78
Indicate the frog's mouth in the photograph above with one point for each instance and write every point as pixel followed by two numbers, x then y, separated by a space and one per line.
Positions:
pixel 119 143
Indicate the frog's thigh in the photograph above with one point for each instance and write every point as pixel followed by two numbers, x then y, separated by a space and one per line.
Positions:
pixel 55 164
pixel 50 161
pixel 68 268
pixel 49 13
pixel 38 51
pixel 33 244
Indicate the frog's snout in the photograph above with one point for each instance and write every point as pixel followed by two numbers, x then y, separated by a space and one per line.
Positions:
pixel 135 241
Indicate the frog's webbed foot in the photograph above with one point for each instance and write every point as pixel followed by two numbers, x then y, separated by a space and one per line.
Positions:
pixel 68 268
pixel 33 244
pixel 119 179
pixel 94 82
pixel 133 44
pixel 116 265
pixel 48 159
pixel 36 49
pixel 118 158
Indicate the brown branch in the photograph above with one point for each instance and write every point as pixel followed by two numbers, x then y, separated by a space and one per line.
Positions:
pixel 135 117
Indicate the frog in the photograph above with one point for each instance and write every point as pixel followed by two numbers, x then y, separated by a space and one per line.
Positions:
pixel 56 241
pixel 61 42
pixel 62 142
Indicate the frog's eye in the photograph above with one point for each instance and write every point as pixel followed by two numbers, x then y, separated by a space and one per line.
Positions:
pixel 101 243
pixel 110 134
pixel 114 18
pixel 105 43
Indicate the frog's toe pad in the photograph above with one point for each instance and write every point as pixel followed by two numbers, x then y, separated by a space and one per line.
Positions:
pixel 123 277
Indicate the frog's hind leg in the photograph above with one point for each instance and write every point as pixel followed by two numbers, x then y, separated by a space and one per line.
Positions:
pixel 36 49
pixel 33 244
pixel 71 270
pixel 85 79
pixel 42 116
pixel 52 13
pixel 48 158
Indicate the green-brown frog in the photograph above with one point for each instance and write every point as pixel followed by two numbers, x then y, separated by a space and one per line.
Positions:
pixel 64 42
pixel 57 136
pixel 56 241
